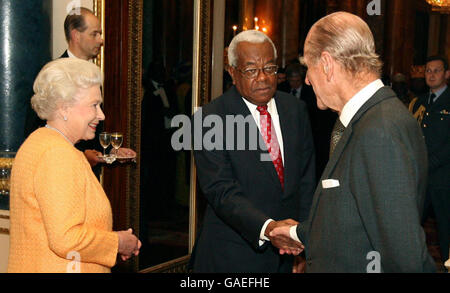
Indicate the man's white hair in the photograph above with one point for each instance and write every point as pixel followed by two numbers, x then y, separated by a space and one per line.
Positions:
pixel 251 36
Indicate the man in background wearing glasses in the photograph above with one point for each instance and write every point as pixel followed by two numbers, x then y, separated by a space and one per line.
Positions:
pixel 249 190
pixel 435 123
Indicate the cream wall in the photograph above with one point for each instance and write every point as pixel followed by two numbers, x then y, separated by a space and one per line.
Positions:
pixel 59 44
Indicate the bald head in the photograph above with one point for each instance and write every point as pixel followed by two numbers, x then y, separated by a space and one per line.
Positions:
pixel 348 39
pixel 83 33
pixel 76 19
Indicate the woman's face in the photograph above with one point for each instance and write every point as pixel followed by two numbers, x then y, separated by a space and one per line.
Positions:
pixel 84 116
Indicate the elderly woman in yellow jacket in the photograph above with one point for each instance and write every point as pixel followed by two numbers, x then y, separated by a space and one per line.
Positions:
pixel 61 219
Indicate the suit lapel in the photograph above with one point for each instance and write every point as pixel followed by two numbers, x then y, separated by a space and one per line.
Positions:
pixel 286 129
pixel 238 107
pixel 382 94
pixel 64 55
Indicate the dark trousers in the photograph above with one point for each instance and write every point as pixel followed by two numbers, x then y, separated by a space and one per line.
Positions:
pixel 440 201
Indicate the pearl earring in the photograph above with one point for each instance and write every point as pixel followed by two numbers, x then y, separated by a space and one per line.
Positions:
pixel 65 118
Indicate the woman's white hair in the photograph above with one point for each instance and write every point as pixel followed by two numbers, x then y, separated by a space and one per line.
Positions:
pixel 251 36
pixel 58 82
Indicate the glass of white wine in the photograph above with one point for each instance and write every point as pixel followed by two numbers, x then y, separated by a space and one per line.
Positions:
pixel 105 141
pixel 116 141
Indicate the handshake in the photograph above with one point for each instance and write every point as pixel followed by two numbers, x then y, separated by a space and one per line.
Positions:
pixel 278 233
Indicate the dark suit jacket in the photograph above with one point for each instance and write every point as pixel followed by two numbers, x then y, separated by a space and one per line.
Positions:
pixel 64 55
pixel 243 192
pixel 436 128
pixel 381 166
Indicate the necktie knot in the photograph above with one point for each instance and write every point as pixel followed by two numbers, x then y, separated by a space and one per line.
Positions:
pixel 432 97
pixel 294 92
pixel 262 109
pixel 336 134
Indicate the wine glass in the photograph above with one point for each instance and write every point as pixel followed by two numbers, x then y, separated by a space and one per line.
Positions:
pixel 116 141
pixel 105 141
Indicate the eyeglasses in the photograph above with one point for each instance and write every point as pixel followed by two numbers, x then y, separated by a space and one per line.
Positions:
pixel 252 73
pixel 436 71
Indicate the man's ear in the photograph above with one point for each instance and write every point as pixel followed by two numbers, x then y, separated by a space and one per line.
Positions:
pixel 327 63
pixel 447 75
pixel 232 72
pixel 75 36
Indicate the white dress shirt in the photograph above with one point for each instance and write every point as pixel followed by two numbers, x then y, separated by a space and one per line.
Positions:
pixel 71 55
pixel 438 93
pixel 272 109
pixel 348 112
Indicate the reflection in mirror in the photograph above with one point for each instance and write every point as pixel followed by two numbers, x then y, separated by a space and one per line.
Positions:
pixel 165 174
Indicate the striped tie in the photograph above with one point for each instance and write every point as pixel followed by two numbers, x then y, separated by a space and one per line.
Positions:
pixel 271 140
pixel 336 135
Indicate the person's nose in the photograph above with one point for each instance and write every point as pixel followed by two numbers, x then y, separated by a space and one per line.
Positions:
pixel 307 81
pixel 100 114
pixel 100 40
pixel 262 76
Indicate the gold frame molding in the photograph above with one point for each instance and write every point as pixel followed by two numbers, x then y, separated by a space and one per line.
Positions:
pixel 135 17
pixel 200 95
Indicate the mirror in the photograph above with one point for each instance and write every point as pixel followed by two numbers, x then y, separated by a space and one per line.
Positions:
pixel 167 91
pixel 168 74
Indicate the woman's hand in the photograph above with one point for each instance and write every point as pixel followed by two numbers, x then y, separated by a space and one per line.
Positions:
pixel 129 244
pixel 92 157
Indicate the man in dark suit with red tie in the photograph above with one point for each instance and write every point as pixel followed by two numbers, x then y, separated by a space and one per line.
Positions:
pixel 250 189
pixel 433 113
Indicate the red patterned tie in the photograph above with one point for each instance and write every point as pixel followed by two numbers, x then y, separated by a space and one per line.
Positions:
pixel 270 138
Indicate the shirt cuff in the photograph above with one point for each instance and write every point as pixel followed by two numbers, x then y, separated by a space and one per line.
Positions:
pixel 293 233
pixel 263 237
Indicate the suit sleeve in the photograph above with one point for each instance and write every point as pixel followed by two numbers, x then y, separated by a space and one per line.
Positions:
pixel 385 187
pixel 224 194
pixel 60 193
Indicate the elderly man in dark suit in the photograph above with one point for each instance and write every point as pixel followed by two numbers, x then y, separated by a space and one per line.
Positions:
pixel 433 113
pixel 249 189
pixel 365 215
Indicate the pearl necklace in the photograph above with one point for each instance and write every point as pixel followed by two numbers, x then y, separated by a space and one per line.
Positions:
pixel 49 127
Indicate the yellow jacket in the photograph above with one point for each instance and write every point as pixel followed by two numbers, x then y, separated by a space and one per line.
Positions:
pixel 61 219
